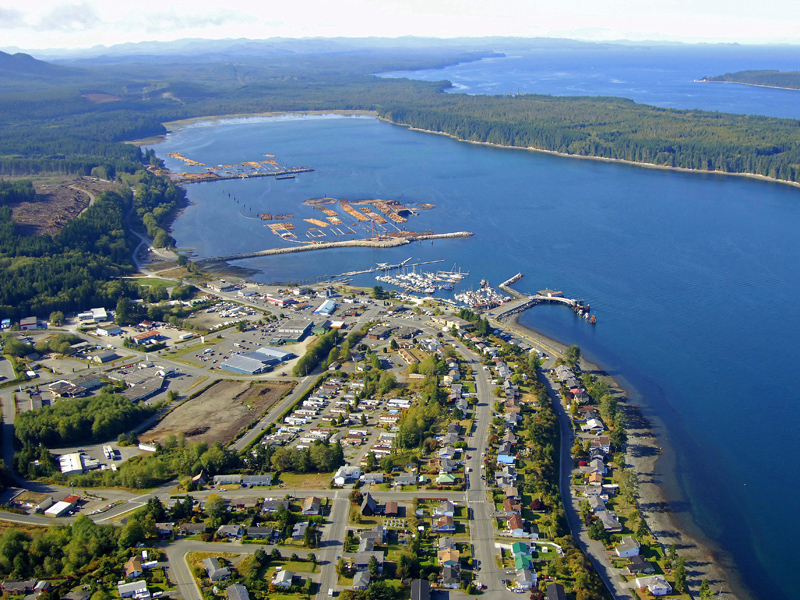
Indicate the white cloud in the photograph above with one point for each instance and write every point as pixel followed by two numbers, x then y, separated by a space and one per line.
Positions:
pixel 89 22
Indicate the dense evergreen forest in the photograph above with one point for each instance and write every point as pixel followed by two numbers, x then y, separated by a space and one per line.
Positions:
pixel 781 79
pixel 72 120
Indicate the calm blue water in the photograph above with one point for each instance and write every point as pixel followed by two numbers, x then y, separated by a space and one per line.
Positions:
pixel 658 75
pixel 693 279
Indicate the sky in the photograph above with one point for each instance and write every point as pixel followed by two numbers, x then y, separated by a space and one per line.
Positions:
pixel 49 24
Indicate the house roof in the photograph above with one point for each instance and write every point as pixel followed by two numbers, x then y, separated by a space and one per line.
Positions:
pixel 237 592
pixel 369 501
pixel 449 555
pixel 515 522
pixel 420 589
pixel 361 579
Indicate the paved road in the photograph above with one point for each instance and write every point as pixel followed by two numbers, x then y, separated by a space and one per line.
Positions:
pixel 333 541
pixel 592 548
pixel 178 550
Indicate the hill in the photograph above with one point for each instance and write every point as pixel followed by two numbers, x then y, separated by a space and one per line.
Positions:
pixel 24 65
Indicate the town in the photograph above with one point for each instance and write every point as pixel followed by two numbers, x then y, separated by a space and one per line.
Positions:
pixel 320 440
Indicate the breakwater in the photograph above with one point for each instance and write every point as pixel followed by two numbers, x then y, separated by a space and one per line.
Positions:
pixel 363 243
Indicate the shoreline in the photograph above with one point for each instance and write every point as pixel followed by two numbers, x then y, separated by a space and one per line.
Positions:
pixel 761 85
pixel 173 126
pixel 600 158
pixel 182 123
pixel 646 454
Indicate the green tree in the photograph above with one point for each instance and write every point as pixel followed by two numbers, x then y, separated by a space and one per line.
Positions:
pixel 680 574
pixel 705 590
pixel 123 316
pixel 572 356
pixel 215 506
pixel 56 317
pixel 373 566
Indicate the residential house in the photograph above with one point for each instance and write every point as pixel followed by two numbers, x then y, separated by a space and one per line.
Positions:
pixel 511 508
pixel 446 479
pixel 405 479
pixel 595 479
pixel 420 589
pixel 361 580
pixel 446 543
pixel 283 579
pixel 215 571
pixel 192 528
pixel 610 521
pixel 518 548
pixel 18 586
pixel 627 548
pixel 366 545
pixel 361 560
pixel 134 589
pixel 312 506
pixel 346 474
pixel 444 525
pixel 272 505
pixel 596 504
pixel 390 510
pixel 260 533
pixel 446 452
pixel 299 530
pixel 133 568
pixel 525 579
pixel 372 478
pixel 637 564
pixel 511 492
pixel 447 466
pixel 230 531
pixel 237 592
pixel 522 561
pixel 449 557
pixel 656 585
pixel 451 577
pixel 378 533
pixel 445 509
pixel 515 526
pixel 555 591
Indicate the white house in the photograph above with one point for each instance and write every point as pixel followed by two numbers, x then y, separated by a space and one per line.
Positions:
pixel 655 584
pixel 627 548
pixel 283 579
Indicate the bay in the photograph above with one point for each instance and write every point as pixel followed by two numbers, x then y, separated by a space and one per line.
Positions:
pixel 647 73
pixel 692 277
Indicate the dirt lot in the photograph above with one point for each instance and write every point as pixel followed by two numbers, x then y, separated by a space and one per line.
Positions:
pixel 220 412
pixel 56 204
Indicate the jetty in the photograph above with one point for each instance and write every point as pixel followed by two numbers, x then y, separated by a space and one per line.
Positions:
pixel 390 242
pixel 186 178
pixel 522 302
pixel 506 286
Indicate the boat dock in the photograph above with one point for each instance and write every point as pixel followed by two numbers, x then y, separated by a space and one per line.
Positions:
pixel 522 303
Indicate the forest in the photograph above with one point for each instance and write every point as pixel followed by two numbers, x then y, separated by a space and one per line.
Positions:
pixel 80 420
pixel 781 79
pixel 49 124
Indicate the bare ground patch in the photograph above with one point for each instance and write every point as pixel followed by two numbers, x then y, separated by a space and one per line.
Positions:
pixel 220 412
pixel 57 203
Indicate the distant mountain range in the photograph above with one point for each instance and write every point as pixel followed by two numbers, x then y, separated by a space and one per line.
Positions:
pixel 24 65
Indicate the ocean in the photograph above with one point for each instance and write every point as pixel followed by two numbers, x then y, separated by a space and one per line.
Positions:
pixel 692 276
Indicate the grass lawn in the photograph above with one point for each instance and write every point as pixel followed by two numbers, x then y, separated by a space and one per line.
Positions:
pixel 154 282
pixel 306 480
pixel 191 348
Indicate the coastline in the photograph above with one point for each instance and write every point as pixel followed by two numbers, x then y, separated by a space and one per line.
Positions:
pixel 646 455
pixel 173 126
pixel 761 85
pixel 177 125
pixel 600 158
